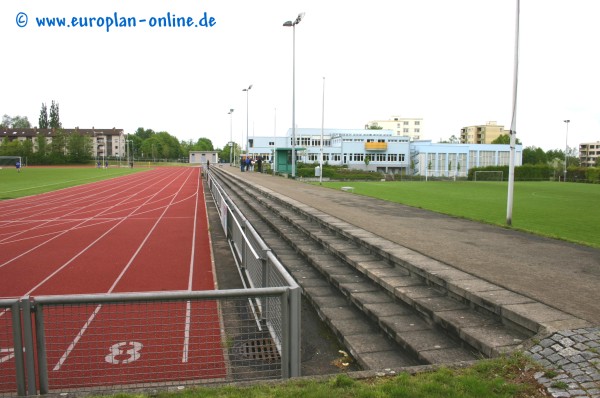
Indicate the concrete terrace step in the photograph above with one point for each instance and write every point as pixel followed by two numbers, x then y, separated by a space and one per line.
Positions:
pixel 512 308
pixel 390 284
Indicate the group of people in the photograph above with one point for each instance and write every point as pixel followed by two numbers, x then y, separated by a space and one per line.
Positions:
pixel 247 163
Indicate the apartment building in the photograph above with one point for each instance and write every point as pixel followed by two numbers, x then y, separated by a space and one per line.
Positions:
pixel 105 142
pixel 589 153
pixel 401 126
pixel 482 134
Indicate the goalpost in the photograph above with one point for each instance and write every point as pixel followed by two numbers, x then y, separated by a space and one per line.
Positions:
pixel 488 176
pixel 10 161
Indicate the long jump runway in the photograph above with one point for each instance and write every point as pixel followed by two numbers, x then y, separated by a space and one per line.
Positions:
pixel 144 232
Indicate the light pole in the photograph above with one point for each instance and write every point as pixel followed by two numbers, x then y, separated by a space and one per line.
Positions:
pixel 566 149
pixel 322 128
pixel 230 113
pixel 247 90
pixel 293 25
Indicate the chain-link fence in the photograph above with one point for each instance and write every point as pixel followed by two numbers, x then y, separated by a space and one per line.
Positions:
pixel 156 340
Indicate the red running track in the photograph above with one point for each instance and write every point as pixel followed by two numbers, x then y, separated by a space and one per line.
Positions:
pixel 143 232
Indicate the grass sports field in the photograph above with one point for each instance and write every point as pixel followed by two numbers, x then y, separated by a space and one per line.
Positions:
pixel 36 180
pixel 565 211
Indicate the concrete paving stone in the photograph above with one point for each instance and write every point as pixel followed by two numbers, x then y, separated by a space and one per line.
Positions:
pixel 547 342
pixel 362 258
pixel 546 352
pixel 404 323
pixel 570 366
pixel 448 355
pixel 583 378
pixel 562 362
pixel 577 358
pixel 566 342
pixel 555 358
pixel 425 340
pixel 387 309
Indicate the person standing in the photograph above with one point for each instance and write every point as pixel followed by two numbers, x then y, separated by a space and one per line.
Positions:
pixel 18 166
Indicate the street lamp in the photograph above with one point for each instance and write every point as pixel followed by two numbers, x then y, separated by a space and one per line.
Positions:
pixel 293 25
pixel 566 148
pixel 230 113
pixel 247 90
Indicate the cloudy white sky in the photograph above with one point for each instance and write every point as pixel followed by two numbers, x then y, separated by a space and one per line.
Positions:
pixel 449 62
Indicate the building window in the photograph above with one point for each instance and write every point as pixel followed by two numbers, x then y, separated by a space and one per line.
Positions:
pixel 271 143
pixel 417 130
pixel 417 123
pixel 405 123
pixel 405 130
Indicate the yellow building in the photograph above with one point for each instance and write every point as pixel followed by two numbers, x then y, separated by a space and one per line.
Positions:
pixel 589 153
pixel 481 134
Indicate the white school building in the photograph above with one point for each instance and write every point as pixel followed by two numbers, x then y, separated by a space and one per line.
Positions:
pixel 384 151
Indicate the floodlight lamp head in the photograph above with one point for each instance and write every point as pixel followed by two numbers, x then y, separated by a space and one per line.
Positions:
pixel 288 23
pixel 231 111
pixel 567 121
pixel 300 16
pixel 250 87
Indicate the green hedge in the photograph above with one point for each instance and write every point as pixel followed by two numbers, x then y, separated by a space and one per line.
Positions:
pixel 307 170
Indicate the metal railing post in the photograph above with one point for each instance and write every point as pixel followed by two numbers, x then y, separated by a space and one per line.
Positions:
pixel 18 349
pixel 41 349
pixel 29 351
pixel 294 333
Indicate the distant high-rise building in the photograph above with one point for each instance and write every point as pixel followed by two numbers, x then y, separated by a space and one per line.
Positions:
pixel 481 134
pixel 403 126
pixel 589 153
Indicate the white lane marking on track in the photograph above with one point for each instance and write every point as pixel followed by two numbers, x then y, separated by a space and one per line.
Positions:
pixel 188 307
pixel 85 327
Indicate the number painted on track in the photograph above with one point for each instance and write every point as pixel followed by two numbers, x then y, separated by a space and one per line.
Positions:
pixel 9 351
pixel 124 352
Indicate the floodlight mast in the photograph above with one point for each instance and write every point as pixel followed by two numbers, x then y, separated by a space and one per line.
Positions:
pixel 513 124
pixel 293 25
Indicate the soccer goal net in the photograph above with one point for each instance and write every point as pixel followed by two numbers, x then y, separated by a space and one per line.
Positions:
pixel 488 176
pixel 6 161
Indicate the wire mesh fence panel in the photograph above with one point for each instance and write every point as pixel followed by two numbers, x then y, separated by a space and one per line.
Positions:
pixel 8 360
pixel 145 344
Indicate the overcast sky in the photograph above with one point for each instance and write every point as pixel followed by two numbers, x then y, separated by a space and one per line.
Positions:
pixel 449 62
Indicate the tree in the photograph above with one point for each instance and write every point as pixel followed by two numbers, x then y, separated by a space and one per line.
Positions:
pixel 54 116
pixel 203 144
pixel 374 127
pixel 452 140
pixel 505 139
pixel 16 122
pixel 79 148
pixel 533 155
pixel 43 122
